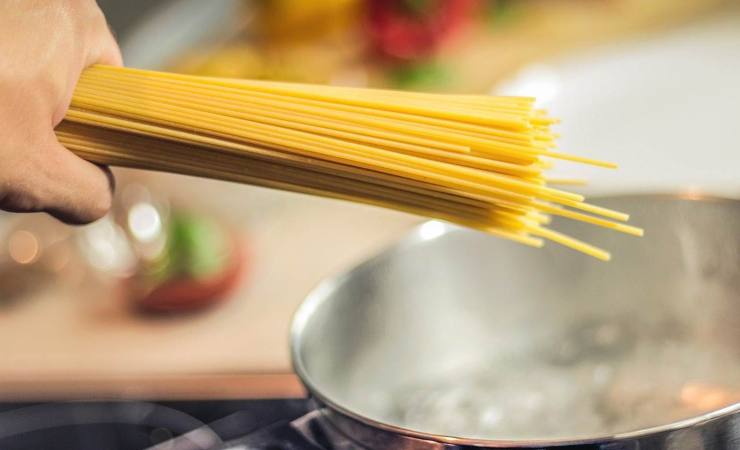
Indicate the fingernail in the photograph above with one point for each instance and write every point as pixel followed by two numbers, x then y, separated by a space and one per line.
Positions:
pixel 111 178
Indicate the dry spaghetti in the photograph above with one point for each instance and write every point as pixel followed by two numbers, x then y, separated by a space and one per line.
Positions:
pixel 478 161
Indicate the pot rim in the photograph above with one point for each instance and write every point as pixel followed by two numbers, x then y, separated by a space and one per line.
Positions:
pixel 325 288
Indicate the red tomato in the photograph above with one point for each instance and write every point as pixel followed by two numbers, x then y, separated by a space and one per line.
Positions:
pixel 187 294
pixel 400 33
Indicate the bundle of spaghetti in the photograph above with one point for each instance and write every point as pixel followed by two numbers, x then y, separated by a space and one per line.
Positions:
pixel 477 161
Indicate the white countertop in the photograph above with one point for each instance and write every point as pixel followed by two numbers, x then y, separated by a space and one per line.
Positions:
pixel 667 109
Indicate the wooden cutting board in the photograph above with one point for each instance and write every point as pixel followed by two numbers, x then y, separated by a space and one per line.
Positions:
pixel 80 339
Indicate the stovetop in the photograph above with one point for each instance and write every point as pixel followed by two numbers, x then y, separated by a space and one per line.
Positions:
pixel 287 424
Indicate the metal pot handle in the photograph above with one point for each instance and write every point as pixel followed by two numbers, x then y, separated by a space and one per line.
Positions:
pixel 282 435
pixel 303 433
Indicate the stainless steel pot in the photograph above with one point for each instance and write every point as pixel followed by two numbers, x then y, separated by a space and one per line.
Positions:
pixel 454 338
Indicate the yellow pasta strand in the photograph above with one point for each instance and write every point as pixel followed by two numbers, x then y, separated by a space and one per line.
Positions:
pixel 478 161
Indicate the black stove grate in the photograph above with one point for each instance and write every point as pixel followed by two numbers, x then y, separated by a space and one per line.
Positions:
pixel 182 425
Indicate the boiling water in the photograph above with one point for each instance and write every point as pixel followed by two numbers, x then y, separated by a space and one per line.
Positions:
pixel 598 381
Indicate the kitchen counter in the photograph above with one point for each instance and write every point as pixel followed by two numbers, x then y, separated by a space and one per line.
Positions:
pixel 84 340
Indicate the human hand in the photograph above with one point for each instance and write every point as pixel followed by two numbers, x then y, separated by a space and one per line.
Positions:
pixel 44 47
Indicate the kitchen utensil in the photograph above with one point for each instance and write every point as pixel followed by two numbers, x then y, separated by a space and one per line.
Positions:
pixel 455 340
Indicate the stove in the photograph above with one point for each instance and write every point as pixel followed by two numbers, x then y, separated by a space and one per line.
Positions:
pixel 286 424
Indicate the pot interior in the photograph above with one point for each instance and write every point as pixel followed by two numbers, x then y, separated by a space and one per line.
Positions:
pixel 460 334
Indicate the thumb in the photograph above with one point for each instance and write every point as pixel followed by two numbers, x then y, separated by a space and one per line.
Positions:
pixel 71 189
pixel 107 51
pixel 104 48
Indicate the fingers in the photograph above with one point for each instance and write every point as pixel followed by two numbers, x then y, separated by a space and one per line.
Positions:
pixel 79 191
pixel 56 181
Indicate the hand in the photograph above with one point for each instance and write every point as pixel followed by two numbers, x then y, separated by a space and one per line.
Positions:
pixel 44 47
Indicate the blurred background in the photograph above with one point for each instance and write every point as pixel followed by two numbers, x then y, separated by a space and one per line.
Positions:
pixel 186 290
